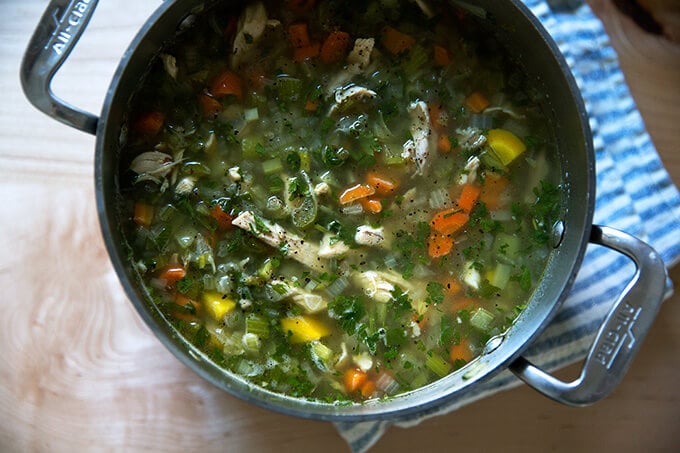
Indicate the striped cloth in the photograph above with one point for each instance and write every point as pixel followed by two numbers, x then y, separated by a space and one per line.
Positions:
pixel 634 194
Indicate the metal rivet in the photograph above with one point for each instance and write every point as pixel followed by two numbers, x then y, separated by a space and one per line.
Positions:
pixel 557 233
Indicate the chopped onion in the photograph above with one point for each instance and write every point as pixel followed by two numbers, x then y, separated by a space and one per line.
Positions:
pixel 352 209
pixel 439 199
pixel 481 121
pixel 338 286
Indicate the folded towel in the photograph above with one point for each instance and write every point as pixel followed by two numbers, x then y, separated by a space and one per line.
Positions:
pixel 634 194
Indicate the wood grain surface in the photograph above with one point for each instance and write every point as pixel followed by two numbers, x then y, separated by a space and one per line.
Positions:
pixel 79 371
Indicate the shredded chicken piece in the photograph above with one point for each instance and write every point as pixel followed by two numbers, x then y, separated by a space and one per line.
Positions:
pixel 471 276
pixel 469 173
pixel 169 64
pixel 378 285
pixel 185 185
pixel 251 27
pixel 332 247
pixel 418 149
pixel 367 235
pixel 235 174
pixel 348 94
pixel 360 56
pixel 275 235
pixel 470 138
pixel 152 166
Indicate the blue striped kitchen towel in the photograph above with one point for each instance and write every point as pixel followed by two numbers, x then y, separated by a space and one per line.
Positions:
pixel 634 194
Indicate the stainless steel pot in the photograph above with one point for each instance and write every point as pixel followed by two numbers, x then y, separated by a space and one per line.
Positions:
pixel 609 356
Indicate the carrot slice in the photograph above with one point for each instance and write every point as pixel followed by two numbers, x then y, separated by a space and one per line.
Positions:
pixel 298 35
pixel 225 84
pixel 477 102
pixel 355 193
pixel 223 219
pixel 367 389
pixel 306 53
pixel 460 351
pixel 492 190
pixel 444 144
pixel 150 123
pixel 334 47
pixel 468 197
pixel 172 274
pixel 354 378
pixel 143 214
pixel 439 245
pixel 371 205
pixel 210 106
pixel 452 286
pixel 449 221
pixel 441 56
pixel 383 185
pixel 397 42
pixel 311 106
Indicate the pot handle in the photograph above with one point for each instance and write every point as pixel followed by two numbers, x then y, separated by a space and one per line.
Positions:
pixel 621 334
pixel 56 35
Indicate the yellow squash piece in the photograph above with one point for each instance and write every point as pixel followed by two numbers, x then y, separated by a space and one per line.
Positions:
pixel 506 145
pixel 217 304
pixel 304 329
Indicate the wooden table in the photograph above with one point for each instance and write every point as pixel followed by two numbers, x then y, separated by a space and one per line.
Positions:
pixel 80 371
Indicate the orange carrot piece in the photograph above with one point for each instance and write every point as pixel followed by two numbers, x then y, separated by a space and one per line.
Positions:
pixel 444 144
pixel 298 35
pixel 397 42
pixel 301 6
pixel 356 192
pixel 223 219
pixel 143 214
pixel 306 53
pixel 476 102
pixel 371 205
pixel 334 47
pixel 452 286
pixel 439 245
pixel 150 123
pixel 311 106
pixel 468 197
pixel 227 83
pixel 367 389
pixel 172 274
pixel 449 221
pixel 493 188
pixel 354 378
pixel 382 184
pixel 210 106
pixel 460 351
pixel 463 303
pixel 441 56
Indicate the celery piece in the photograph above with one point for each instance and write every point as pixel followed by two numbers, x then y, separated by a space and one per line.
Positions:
pixel 501 275
pixel 437 365
pixel 249 147
pixel 416 60
pixel 481 319
pixel 394 160
pixel 258 326
pixel 251 342
pixel 289 88
pixel 322 355
pixel 506 247
pixel 251 114
pixel 272 166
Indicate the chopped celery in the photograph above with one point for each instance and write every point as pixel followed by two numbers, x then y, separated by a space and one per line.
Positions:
pixel 437 365
pixel 501 275
pixel 272 166
pixel 289 88
pixel 257 325
pixel 506 247
pixel 322 355
pixel 251 342
pixel 481 319
pixel 249 147
pixel 414 63
pixel 251 115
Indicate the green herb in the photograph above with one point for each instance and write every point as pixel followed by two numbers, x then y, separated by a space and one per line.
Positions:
pixel 487 290
pixel 293 160
pixel 435 291
pixel 348 310
pixel 184 285
pixel 544 211
pixel 523 277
